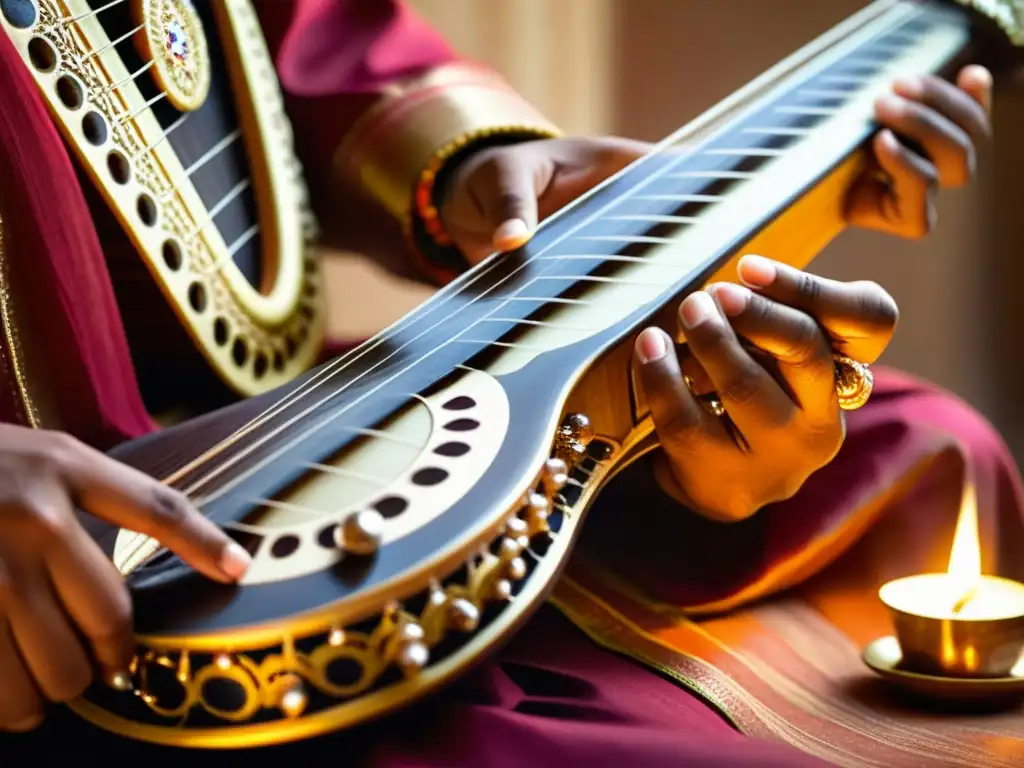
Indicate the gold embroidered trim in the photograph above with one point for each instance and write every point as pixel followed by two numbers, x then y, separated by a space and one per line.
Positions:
pixel 388 148
pixel 13 340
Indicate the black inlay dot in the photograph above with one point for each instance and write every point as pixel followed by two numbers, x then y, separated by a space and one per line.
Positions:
pixel 278 360
pixel 41 54
pixel 172 255
pixel 95 129
pixel 250 542
pixel 119 167
pixel 20 14
pixel 240 352
pixel 462 425
pixel 326 536
pixel 197 297
pixel 460 403
pixel 429 476
pixel 147 210
pixel 260 364
pixel 391 506
pixel 285 546
pixel 70 92
pixel 453 449
pixel 221 331
pixel 290 346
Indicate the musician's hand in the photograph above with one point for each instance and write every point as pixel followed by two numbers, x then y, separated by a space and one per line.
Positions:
pixel 778 389
pixel 947 123
pixel 64 608
pixel 497 195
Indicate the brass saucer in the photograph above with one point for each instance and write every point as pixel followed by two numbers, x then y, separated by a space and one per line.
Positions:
pixel 884 657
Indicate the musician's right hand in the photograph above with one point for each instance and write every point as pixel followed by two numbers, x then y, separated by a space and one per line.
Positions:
pixel 65 612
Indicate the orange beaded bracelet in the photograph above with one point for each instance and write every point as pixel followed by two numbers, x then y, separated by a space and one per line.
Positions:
pixel 423 198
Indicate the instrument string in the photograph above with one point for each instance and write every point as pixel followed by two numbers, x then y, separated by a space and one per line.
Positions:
pixel 113 43
pixel 75 19
pixel 336 368
pixel 456 288
pixel 140 71
pixel 234 460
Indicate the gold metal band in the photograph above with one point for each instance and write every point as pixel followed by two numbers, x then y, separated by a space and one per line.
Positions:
pixel 389 147
pixel 854 382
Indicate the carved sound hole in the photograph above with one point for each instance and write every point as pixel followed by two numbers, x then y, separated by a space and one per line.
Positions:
pixel 224 694
pixel 411 469
pixel 19 13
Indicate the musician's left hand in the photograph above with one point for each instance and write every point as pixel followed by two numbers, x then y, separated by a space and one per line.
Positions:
pixel 497 195
pixel 783 420
pixel 948 122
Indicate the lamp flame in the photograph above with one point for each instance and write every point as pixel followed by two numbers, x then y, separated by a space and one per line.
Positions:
pixel 965 556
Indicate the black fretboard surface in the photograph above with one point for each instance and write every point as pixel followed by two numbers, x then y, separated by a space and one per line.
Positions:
pixel 200 132
pixel 657 198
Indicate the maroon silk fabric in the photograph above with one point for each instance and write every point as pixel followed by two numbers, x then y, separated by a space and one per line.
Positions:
pixel 550 698
pixel 48 229
pixel 553 699
pixel 335 57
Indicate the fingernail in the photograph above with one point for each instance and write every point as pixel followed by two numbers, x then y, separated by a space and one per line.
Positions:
pixel 889 107
pixel 651 345
pixel 888 138
pixel 731 298
pixel 697 309
pixel 981 76
pixel 235 561
pixel 119 681
pixel 511 234
pixel 757 271
pixel 910 86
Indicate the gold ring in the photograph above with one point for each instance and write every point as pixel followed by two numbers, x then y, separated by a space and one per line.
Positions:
pixel 711 402
pixel 854 382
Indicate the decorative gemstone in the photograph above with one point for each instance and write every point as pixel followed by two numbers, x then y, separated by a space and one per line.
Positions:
pixel 177 41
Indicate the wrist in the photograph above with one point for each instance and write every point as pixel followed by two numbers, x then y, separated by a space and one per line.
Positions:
pixel 420 130
pixel 426 230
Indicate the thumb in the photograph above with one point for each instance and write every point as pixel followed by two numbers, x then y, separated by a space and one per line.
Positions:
pixel 510 205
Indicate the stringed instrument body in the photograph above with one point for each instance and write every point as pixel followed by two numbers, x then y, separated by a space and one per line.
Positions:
pixel 410 503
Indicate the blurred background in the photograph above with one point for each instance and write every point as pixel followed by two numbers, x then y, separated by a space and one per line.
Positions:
pixel 642 68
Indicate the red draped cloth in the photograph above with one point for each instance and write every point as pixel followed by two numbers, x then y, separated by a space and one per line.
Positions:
pixel 660 646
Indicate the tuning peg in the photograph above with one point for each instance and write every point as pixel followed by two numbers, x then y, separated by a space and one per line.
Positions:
pixel 572 439
pixel 360 533
pixel 554 476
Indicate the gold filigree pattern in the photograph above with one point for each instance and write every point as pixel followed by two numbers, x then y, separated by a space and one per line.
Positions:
pixel 251 352
pixel 328 676
pixel 175 41
pixel 12 340
pixel 401 639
